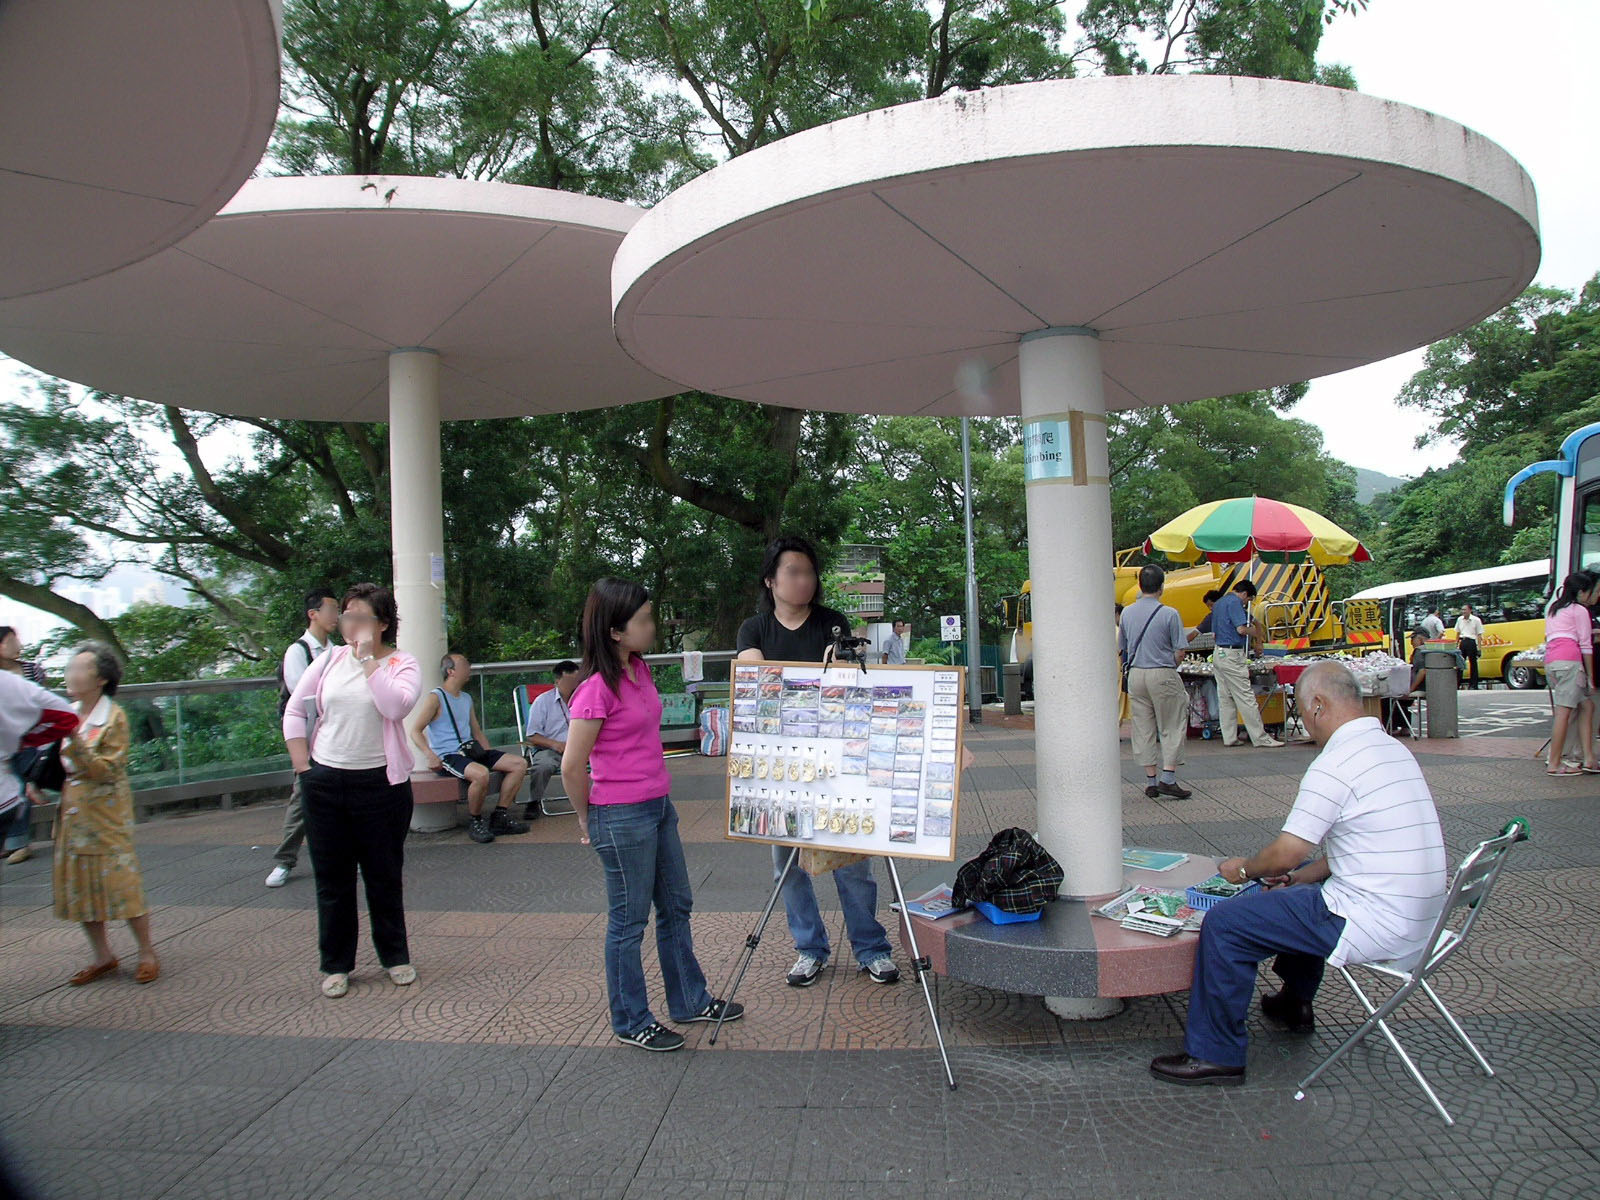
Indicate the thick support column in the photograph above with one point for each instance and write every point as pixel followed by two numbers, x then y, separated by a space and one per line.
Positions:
pixel 416 505
pixel 1074 655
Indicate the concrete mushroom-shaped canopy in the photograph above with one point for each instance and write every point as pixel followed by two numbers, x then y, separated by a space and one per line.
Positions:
pixel 1218 234
pixel 289 302
pixel 125 126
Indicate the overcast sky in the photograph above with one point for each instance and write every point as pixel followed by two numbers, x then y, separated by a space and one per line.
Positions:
pixel 1516 71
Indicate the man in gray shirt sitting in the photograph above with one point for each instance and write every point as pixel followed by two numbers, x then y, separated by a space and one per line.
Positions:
pixel 1151 643
pixel 547 733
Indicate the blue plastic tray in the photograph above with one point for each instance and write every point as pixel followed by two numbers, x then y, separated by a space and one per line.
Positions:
pixel 1001 917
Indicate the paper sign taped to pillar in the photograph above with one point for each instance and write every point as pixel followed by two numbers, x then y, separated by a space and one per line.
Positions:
pixel 1047 449
pixel 864 761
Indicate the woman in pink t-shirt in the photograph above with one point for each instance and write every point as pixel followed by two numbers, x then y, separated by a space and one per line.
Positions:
pixel 616 776
pixel 1569 666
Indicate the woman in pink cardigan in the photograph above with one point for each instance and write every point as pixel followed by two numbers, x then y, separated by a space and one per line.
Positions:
pixel 355 783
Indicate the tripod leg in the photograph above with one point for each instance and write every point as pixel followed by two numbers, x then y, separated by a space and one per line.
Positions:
pixel 922 967
pixel 753 939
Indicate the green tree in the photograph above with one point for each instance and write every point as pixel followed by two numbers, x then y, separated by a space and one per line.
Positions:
pixel 1275 39
pixel 905 494
pixel 618 98
pixel 1508 389
pixel 1165 461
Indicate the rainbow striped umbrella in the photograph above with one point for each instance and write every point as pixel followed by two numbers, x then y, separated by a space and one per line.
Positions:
pixel 1234 530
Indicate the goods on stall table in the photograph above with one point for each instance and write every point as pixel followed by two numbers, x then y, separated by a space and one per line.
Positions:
pixel 1162 911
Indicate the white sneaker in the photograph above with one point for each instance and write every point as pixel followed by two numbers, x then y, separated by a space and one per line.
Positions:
pixel 403 976
pixel 1268 743
pixel 279 876
pixel 335 986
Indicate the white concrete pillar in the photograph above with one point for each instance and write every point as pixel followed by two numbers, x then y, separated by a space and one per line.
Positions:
pixel 1074 653
pixel 416 505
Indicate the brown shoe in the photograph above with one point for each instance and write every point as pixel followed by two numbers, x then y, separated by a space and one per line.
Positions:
pixel 1180 1068
pixel 148 972
pixel 90 974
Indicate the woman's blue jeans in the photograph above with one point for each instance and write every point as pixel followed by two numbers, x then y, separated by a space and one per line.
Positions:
pixel 639 847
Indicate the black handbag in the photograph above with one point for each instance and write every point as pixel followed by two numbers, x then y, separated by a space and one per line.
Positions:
pixel 46 771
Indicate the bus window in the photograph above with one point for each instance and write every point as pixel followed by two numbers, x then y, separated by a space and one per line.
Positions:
pixel 1417 606
pixel 1521 600
pixel 1453 599
pixel 1589 533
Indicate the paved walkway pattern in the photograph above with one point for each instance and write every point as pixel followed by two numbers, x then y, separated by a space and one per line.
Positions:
pixel 496 1074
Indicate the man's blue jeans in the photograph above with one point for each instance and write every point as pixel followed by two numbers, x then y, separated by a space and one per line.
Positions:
pixel 1292 923
pixel 639 847
pixel 858 896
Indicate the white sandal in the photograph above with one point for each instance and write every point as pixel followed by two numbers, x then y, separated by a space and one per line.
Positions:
pixel 403 976
pixel 335 986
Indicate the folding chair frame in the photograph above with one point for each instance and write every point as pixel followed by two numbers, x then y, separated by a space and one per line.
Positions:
pixel 521 702
pixel 1410 720
pixel 1470 889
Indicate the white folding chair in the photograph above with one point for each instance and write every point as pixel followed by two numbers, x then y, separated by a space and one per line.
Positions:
pixel 1474 880
pixel 1408 721
pixel 522 698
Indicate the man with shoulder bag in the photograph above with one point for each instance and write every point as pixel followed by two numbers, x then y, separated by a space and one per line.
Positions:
pixel 1151 643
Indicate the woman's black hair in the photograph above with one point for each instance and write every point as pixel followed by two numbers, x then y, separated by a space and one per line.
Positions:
pixel 1573 586
pixel 107 666
pixel 769 568
pixel 610 606
pixel 381 601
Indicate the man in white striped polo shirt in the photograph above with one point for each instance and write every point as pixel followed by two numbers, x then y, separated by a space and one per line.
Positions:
pixel 1374 895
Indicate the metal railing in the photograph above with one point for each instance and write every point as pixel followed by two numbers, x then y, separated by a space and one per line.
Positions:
pixel 198 738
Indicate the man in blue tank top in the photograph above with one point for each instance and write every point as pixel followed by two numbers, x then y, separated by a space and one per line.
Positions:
pixel 446 730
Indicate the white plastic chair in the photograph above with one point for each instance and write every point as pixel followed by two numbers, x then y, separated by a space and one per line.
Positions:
pixel 1474 880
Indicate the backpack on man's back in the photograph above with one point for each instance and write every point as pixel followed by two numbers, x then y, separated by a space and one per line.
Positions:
pixel 284 690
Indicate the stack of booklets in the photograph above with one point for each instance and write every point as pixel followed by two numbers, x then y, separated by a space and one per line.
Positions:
pixel 1159 911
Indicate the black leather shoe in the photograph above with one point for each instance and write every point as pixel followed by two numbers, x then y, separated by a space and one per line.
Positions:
pixel 1174 791
pixel 1286 1012
pixel 1194 1072
pixel 1151 790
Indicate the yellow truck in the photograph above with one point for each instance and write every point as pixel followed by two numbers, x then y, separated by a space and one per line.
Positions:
pixel 1292 603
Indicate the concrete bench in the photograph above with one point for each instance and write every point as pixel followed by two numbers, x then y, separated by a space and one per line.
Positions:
pixel 1083 965
pixel 434 798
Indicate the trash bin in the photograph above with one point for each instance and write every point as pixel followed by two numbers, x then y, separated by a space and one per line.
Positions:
pixel 1444 677
pixel 1013 688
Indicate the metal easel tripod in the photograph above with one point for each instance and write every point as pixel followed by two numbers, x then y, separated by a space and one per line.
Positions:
pixel 921 964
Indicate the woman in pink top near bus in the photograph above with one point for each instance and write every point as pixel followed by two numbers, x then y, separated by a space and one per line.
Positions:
pixel 355 783
pixel 616 776
pixel 1569 667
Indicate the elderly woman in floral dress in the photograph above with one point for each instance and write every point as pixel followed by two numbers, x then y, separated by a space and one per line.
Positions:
pixel 96 870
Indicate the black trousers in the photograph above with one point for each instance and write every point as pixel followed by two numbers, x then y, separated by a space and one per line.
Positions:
pixel 1469 651
pixel 357 820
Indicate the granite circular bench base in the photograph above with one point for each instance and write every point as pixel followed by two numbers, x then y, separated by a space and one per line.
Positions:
pixel 1068 956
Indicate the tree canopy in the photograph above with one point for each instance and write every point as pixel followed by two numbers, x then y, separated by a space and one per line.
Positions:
pixel 622 99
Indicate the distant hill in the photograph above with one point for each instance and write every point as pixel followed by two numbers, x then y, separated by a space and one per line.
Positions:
pixel 1373 483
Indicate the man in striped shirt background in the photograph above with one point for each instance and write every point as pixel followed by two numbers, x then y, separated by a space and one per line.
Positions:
pixel 1374 894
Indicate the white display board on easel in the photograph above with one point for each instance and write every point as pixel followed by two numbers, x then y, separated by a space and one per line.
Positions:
pixel 864 760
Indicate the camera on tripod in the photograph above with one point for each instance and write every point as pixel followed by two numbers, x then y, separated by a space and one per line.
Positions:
pixel 849 649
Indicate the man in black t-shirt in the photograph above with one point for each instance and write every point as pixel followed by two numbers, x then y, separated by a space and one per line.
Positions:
pixel 793 627
pixel 807 644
